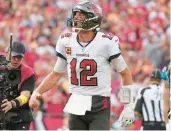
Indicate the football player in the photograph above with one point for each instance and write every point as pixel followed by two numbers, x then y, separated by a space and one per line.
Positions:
pixel 167 82
pixel 88 54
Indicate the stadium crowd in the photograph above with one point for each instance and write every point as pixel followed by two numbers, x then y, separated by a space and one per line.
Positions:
pixel 143 27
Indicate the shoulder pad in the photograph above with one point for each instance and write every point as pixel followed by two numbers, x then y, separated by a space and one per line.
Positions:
pixel 111 37
pixel 66 35
pixel 108 36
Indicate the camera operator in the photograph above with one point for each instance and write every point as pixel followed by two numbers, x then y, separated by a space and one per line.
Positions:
pixel 17 101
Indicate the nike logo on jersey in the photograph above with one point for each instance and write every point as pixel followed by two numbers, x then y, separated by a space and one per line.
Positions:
pixel 82 55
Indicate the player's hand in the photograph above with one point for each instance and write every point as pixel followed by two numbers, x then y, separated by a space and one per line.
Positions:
pixel 6 105
pixel 127 116
pixel 34 102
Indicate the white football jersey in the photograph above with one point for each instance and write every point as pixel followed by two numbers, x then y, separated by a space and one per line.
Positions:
pixel 88 66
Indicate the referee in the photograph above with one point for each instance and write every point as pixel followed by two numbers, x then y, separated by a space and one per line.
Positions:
pixel 149 104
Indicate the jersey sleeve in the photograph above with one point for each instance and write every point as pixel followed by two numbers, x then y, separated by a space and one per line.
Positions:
pixel 60 66
pixel 118 64
pixel 114 48
pixel 60 48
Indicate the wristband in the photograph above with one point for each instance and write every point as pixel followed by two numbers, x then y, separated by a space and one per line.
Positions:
pixel 22 99
pixel 17 103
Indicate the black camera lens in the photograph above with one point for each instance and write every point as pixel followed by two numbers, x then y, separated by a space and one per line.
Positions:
pixel 12 75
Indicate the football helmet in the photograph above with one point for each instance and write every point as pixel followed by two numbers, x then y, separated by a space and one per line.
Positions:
pixel 93 16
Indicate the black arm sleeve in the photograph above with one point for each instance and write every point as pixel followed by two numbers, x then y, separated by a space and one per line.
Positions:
pixel 28 84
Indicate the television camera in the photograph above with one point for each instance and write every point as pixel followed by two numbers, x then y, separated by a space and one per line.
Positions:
pixel 8 78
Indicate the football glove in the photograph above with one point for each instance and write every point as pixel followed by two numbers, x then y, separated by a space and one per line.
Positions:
pixel 127 116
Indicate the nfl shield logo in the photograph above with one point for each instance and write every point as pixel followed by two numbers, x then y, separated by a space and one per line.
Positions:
pixel 68 50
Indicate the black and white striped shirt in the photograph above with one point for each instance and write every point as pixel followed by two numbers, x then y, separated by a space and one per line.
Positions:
pixel 150 103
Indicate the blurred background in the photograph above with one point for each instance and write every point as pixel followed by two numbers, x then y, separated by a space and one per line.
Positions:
pixel 143 27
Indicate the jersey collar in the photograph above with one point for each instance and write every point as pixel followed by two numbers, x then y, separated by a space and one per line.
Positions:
pixel 87 43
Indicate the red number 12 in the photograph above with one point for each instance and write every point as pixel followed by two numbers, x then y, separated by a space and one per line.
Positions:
pixel 84 64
